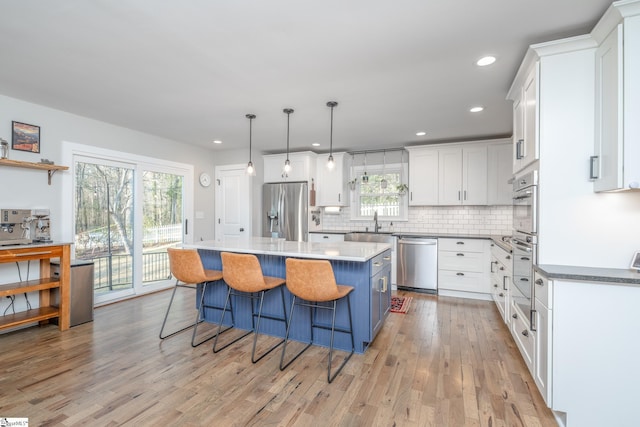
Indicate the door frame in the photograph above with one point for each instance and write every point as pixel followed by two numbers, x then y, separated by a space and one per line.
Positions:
pixel 140 163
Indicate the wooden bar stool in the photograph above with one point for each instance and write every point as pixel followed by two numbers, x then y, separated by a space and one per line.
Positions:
pixel 243 275
pixel 187 268
pixel 313 282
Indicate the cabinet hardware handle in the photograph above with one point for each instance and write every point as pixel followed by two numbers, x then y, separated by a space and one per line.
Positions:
pixel 519 149
pixel 539 282
pixel 325 237
pixel 495 285
pixel 501 268
pixel 508 257
pixel 377 264
pixel 459 243
pixel 504 285
pixel 459 274
pixel 491 267
pixel 593 160
pixel 458 195
pixel 459 254
pixel 525 333
pixel 532 320
pixel 411 195
pixel 339 197
pixel 465 194
pixel 524 258
pixel 500 294
pixel 515 315
pixel 524 279
pixel 386 258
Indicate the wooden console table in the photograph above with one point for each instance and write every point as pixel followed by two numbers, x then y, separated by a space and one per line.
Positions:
pixel 45 311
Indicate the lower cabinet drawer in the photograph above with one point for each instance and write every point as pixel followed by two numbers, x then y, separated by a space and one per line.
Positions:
pixel 462 281
pixel 523 337
pixel 466 261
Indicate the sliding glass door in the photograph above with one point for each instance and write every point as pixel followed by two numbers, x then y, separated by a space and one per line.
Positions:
pixel 104 212
pixel 126 215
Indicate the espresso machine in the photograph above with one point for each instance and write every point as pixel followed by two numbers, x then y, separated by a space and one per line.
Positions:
pixel 41 223
pixel 15 226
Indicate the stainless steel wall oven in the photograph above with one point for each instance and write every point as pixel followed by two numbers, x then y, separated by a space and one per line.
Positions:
pixel 524 242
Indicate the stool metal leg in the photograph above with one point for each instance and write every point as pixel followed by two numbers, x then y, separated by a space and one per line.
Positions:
pixel 166 315
pixel 330 377
pixel 257 327
pixel 220 331
pixel 286 338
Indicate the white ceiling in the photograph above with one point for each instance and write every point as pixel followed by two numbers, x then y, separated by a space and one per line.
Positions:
pixel 190 70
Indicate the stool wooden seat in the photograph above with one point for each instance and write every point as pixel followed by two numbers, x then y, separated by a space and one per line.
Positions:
pixel 186 266
pixel 243 275
pixel 313 284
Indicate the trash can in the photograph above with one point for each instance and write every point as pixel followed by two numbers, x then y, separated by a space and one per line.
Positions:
pixel 81 289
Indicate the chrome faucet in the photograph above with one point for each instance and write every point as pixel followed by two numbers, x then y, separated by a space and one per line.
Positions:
pixel 376 226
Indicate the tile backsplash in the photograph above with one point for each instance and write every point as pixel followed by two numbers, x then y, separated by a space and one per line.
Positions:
pixel 432 219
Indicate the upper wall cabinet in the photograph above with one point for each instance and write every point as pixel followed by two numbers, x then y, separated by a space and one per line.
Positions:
pixel 525 121
pixel 331 185
pixel 463 176
pixel 423 176
pixel 303 167
pixel 615 165
pixel 473 173
pixel 499 163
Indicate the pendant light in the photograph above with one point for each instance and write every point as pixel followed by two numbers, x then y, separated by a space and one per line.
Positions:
pixel 287 163
pixel 383 182
pixel 365 177
pixel 250 169
pixel 330 163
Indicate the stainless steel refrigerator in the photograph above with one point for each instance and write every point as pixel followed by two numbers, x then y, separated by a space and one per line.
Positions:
pixel 285 210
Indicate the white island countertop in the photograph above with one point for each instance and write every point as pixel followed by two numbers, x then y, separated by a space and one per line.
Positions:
pixel 336 251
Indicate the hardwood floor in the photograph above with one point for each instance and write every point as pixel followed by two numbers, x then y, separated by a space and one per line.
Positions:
pixel 447 362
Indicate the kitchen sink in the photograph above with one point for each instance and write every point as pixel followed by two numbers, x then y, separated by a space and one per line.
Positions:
pixel 363 236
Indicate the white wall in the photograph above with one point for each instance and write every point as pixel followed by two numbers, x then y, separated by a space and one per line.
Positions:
pixel 577 226
pixel 27 188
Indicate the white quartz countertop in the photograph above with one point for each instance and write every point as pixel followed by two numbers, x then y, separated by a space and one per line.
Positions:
pixel 336 251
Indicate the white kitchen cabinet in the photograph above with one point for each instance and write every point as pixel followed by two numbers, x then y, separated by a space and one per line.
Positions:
pixel 542 360
pixel 614 165
pixel 500 278
pixel 462 175
pixel 463 268
pixel 525 125
pixel 423 176
pixel 499 173
pixel 331 185
pixel 326 237
pixel 521 334
pixel 303 167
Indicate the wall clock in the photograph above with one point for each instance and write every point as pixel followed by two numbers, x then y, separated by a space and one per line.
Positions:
pixel 205 179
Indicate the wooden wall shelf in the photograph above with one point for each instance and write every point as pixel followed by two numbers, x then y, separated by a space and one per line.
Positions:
pixel 51 169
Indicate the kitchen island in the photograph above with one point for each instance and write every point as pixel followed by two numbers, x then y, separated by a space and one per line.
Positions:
pixel 365 266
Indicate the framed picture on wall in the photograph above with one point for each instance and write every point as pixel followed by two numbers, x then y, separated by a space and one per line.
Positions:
pixel 25 137
pixel 635 262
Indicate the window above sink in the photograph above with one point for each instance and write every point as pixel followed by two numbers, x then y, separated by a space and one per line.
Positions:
pixel 375 188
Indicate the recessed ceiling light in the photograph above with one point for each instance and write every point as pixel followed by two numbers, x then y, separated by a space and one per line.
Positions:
pixel 486 60
pixel 217 141
pixel 476 109
pixel 315 144
pixel 421 133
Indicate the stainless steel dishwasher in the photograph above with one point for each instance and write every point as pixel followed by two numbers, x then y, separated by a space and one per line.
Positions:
pixel 417 264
